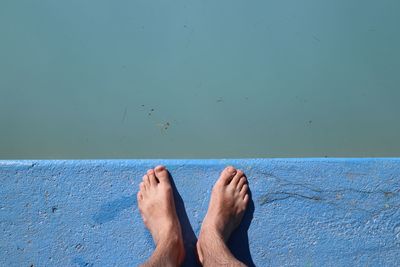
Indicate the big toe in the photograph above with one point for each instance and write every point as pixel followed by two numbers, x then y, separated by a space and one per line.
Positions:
pixel 227 174
pixel 162 174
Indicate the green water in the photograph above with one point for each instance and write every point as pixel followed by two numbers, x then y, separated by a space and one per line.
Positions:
pixel 199 79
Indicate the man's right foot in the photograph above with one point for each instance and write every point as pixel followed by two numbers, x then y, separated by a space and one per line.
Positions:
pixel 229 199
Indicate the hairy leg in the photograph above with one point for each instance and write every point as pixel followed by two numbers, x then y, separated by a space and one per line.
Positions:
pixel 157 207
pixel 229 199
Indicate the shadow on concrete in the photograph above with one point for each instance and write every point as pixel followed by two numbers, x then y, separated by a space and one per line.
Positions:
pixel 239 241
pixel 189 237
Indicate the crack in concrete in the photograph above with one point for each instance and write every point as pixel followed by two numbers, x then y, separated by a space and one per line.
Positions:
pixel 284 182
pixel 333 197
pixel 264 199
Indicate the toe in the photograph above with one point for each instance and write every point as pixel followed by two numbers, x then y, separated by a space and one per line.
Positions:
pixel 142 187
pixel 159 168
pixel 162 174
pixel 146 180
pixel 227 174
pixel 139 196
pixel 152 177
pixel 244 189
pixel 235 180
pixel 246 199
pixel 241 182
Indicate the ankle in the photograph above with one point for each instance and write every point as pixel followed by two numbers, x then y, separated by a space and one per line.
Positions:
pixel 170 238
pixel 208 237
pixel 212 249
pixel 213 230
pixel 166 232
pixel 174 250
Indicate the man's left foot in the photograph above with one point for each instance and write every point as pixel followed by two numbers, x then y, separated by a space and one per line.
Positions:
pixel 157 207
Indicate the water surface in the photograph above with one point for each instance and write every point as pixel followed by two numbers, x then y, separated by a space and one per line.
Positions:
pixel 199 79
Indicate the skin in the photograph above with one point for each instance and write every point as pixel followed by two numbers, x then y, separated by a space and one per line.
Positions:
pixel 157 207
pixel 229 199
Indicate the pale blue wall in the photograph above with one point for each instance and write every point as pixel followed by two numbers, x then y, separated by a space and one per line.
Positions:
pixel 305 212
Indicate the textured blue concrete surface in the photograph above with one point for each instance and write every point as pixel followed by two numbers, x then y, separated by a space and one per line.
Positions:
pixel 304 212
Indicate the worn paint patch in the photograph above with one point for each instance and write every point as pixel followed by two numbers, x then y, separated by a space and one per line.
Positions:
pixel 81 262
pixel 110 210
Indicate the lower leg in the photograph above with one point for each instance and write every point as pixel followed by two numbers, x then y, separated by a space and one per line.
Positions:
pixel 229 199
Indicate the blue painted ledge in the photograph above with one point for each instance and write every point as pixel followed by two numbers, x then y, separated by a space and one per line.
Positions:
pixel 304 212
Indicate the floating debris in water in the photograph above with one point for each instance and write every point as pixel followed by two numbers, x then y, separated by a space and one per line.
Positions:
pixel 151 111
pixel 316 38
pixel 163 126
pixel 301 99
pixel 124 115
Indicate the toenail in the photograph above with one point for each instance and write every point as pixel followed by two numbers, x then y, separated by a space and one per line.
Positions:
pixel 150 171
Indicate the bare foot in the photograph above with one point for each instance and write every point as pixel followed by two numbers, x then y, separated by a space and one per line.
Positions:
pixel 229 199
pixel 157 207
